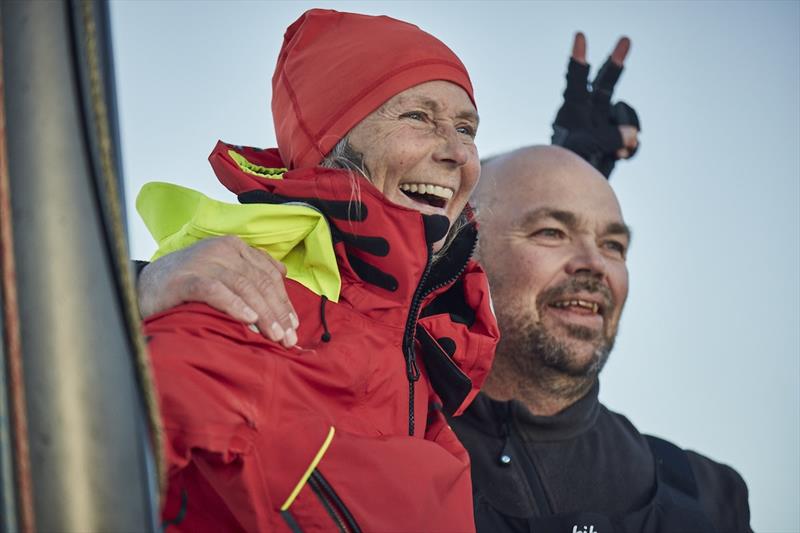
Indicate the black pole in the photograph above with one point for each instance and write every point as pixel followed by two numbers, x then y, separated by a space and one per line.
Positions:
pixel 91 461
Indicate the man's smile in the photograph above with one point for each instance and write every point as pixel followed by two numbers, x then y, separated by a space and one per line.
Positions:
pixel 580 305
pixel 581 309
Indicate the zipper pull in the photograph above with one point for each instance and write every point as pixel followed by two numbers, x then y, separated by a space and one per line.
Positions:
pixel 412 373
pixel 505 454
pixel 412 370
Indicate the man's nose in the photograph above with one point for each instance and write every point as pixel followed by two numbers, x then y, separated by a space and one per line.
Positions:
pixel 587 259
pixel 451 149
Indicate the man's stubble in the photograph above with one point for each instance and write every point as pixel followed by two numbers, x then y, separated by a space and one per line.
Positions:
pixel 548 359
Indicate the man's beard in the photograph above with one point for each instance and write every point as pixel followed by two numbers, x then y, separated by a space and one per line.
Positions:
pixel 546 361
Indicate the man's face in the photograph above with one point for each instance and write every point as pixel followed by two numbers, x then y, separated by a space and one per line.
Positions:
pixel 554 245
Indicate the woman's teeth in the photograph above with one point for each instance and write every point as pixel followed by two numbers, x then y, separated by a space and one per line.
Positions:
pixel 426 188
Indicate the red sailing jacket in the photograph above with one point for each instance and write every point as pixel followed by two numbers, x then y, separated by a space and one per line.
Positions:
pixel 346 430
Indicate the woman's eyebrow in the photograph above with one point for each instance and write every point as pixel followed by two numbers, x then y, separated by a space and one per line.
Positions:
pixel 434 106
pixel 469 115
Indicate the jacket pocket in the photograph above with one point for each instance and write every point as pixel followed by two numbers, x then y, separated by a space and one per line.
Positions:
pixel 335 508
pixel 333 504
pixel 314 502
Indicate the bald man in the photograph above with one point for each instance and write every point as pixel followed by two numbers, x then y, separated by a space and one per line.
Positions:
pixel 546 455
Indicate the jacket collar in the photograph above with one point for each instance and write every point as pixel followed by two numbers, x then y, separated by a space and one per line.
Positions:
pixel 493 416
pixel 381 246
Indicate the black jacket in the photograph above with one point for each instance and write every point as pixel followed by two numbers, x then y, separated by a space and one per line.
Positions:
pixel 589 469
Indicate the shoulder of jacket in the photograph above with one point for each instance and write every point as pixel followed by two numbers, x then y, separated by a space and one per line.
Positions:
pixel 722 492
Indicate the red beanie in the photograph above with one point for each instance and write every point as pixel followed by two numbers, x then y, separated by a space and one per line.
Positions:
pixel 336 68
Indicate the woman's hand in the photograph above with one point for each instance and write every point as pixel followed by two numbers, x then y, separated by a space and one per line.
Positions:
pixel 228 275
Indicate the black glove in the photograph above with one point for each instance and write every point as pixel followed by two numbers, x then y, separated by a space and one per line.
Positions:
pixel 587 123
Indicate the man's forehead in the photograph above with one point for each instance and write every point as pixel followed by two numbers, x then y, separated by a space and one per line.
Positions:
pixel 547 177
pixel 584 196
pixel 608 222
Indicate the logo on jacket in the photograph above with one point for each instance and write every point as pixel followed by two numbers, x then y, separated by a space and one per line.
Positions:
pixel 590 529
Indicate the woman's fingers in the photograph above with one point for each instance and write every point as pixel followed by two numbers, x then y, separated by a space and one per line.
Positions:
pixel 274 309
pixel 228 275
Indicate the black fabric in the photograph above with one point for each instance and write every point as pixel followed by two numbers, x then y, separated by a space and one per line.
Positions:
pixel 372 245
pixel 449 382
pixel 603 84
pixel 726 481
pixel 624 115
pixel 372 274
pixel 290 521
pixel 592 467
pixel 448 345
pixel 326 335
pixel 677 470
pixel 137 267
pixel 336 209
pixel 452 264
pixel 436 227
pixel 453 303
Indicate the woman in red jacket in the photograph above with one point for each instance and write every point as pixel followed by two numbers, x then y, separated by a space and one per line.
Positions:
pixel 375 121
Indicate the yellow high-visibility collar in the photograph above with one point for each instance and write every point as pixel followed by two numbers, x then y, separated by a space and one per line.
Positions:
pixel 295 234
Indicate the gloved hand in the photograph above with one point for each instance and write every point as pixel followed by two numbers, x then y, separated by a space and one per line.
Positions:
pixel 587 123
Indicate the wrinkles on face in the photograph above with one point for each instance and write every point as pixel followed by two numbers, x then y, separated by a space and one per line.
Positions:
pixel 424 137
pixel 556 361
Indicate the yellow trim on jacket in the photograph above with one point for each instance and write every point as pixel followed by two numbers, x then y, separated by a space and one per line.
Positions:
pixel 307 474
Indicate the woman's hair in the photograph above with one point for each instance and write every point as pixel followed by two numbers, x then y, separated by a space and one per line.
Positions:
pixel 344 156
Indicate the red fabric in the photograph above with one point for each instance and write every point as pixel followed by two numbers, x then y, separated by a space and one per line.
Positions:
pixel 244 416
pixel 336 68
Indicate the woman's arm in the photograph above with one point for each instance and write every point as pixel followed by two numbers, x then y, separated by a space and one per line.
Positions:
pixel 228 275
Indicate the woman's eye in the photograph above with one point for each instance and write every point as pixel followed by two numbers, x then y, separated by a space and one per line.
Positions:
pixel 549 233
pixel 467 130
pixel 414 115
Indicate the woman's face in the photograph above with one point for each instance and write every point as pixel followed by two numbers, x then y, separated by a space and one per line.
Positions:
pixel 419 148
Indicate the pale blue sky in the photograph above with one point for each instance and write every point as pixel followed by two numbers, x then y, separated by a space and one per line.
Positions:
pixel 709 351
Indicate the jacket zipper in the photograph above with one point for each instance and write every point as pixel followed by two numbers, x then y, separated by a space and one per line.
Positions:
pixel 532 478
pixel 333 504
pixel 412 369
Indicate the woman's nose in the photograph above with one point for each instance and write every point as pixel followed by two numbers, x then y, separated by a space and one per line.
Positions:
pixel 452 148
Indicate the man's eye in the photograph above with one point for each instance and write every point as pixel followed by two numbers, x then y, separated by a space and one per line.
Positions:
pixel 616 247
